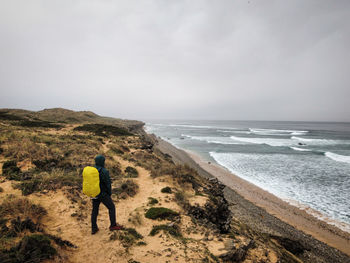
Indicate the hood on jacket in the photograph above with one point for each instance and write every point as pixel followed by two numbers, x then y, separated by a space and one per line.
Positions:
pixel 100 160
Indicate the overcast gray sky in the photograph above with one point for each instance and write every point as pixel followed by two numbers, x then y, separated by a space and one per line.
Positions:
pixel 240 60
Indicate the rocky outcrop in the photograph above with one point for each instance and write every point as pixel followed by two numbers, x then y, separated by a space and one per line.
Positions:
pixel 216 211
pixel 237 254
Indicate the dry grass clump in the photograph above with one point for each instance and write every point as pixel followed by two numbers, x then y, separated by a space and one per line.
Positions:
pixel 24 148
pixel 119 148
pixel 79 154
pixel 127 237
pixel 114 168
pixel 126 189
pixel 15 206
pixel 56 179
pixel 163 168
pixel 144 159
pixel 135 218
pixel 131 172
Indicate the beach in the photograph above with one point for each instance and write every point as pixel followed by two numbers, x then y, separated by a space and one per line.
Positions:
pixel 267 213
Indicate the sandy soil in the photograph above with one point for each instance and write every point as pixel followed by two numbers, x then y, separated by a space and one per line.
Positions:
pixel 273 207
pixel 130 213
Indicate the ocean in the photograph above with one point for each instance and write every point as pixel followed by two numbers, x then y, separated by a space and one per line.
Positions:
pixel 304 163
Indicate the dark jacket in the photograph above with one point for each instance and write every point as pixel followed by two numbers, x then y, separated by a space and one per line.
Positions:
pixel 105 180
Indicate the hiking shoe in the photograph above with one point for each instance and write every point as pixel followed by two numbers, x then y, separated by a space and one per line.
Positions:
pixel 116 227
pixel 94 231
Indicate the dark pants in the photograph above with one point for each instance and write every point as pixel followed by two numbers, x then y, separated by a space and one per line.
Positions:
pixel 108 202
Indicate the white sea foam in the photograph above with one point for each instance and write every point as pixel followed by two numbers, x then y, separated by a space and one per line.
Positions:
pixel 268 141
pixel 238 132
pixel 276 132
pixel 269 172
pixel 200 126
pixel 217 140
pixel 316 141
pixel 300 149
pixel 338 157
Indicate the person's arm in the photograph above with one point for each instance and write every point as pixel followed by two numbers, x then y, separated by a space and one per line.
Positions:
pixel 108 182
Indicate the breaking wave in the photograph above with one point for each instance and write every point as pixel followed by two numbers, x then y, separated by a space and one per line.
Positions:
pixel 268 141
pixel 217 140
pixel 238 132
pixel 200 126
pixel 317 141
pixel 338 157
pixel 277 132
pixel 301 149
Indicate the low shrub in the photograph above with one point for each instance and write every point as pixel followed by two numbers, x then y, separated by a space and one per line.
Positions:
pixel 13 205
pixel 56 179
pixel 152 201
pixel 18 225
pixel 31 249
pixel 131 172
pixel 54 163
pixel 11 171
pixel 134 233
pixel 181 199
pixel 135 218
pixel 38 124
pixel 10 117
pixel 103 130
pixel 172 230
pixel 160 213
pixel 166 190
pixel 127 237
pixel 117 150
pixel 128 188
pixel 28 187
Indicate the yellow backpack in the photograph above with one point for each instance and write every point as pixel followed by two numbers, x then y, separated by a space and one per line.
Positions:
pixel 91 181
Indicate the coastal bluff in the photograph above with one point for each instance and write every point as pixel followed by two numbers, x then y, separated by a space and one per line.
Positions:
pixel 172 209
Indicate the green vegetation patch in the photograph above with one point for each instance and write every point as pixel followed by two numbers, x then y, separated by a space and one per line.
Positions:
pixel 38 124
pixel 131 172
pixel 11 171
pixel 160 213
pixel 141 243
pixel 10 117
pixel 54 163
pixel 134 233
pixel 172 230
pixel 166 190
pixel 103 130
pixel 152 201
pixel 127 237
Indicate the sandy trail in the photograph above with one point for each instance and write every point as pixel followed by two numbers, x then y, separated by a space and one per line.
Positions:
pixel 99 246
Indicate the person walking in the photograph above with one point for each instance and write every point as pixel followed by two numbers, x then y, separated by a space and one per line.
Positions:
pixel 104 197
